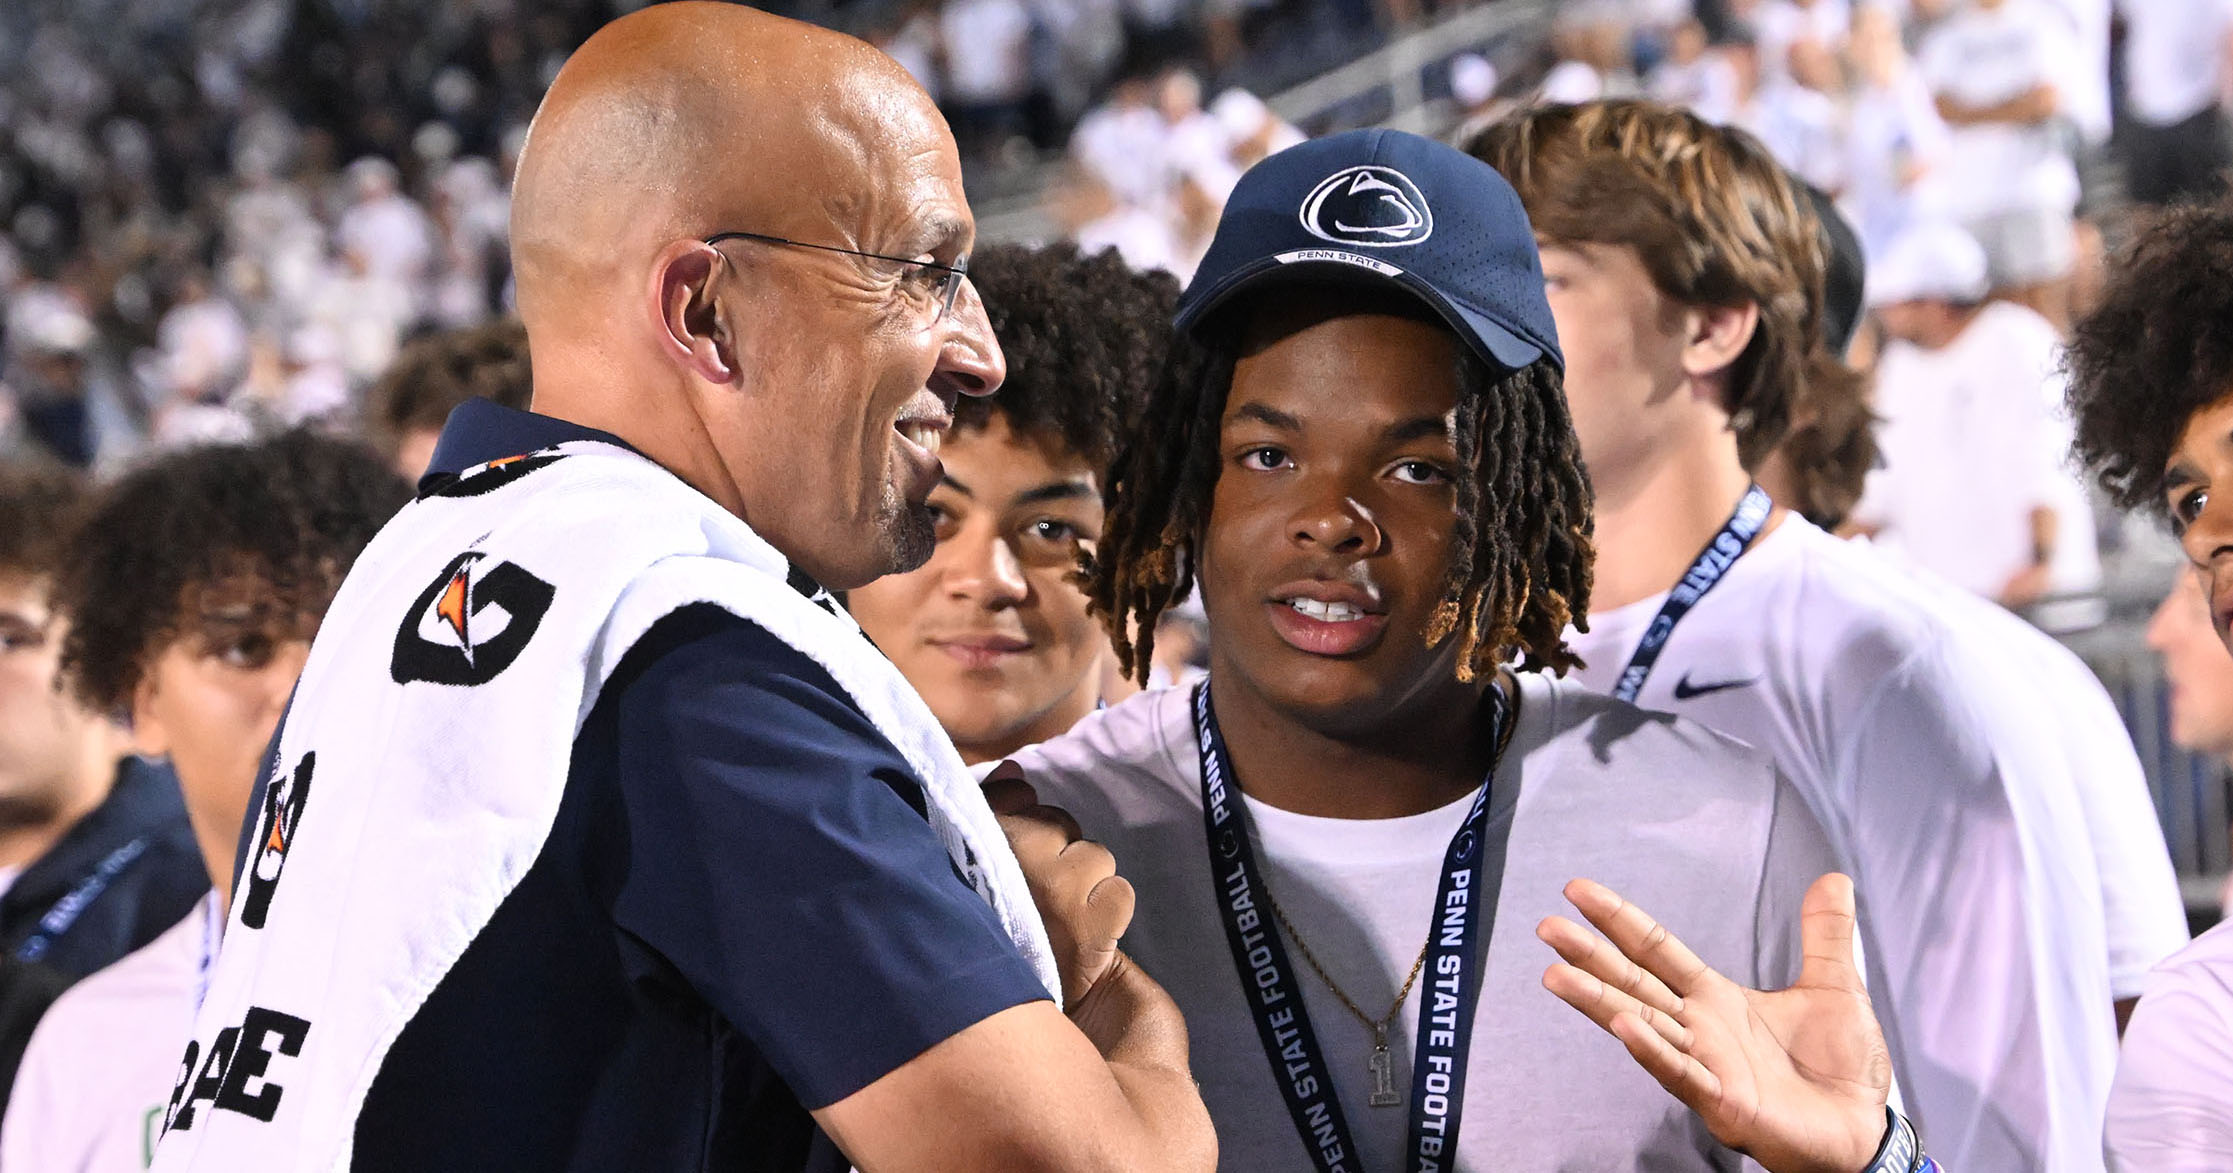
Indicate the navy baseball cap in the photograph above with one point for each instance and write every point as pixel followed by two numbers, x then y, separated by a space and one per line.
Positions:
pixel 1379 207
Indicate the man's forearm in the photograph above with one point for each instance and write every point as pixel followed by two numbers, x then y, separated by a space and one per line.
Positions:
pixel 1137 1028
pixel 2026 109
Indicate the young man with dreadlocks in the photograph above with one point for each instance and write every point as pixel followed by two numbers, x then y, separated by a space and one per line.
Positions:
pixel 2151 392
pixel 195 586
pixel 1686 280
pixel 1368 470
pixel 993 629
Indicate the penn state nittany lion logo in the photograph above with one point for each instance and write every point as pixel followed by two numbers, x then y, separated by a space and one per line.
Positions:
pixel 275 833
pixel 1368 207
pixel 470 623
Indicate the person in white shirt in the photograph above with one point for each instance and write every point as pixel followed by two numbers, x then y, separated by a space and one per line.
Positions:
pixel 2149 372
pixel 1894 135
pixel 1972 479
pixel 385 227
pixel 1687 332
pixel 1793 114
pixel 1820 471
pixel 2178 69
pixel 209 569
pixel 1997 69
pixel 203 339
pixel 1367 469
pixel 988 68
pixel 1780 24
pixel 1695 74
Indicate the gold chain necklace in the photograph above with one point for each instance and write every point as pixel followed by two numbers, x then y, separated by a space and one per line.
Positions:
pixel 1384 1064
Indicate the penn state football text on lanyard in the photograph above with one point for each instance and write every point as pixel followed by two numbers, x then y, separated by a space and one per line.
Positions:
pixel 1713 562
pixel 1275 1000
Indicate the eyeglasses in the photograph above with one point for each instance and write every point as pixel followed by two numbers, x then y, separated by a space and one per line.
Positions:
pixel 941 283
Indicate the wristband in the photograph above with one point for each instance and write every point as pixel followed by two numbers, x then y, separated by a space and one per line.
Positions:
pixel 1901 1152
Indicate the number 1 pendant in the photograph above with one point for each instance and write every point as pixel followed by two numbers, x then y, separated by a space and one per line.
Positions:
pixel 1383 1072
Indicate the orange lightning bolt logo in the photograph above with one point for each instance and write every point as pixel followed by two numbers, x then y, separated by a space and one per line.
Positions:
pixel 452 607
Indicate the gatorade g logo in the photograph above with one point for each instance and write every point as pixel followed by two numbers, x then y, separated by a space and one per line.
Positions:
pixel 275 833
pixel 238 1056
pixel 469 624
pixel 1368 207
pixel 496 474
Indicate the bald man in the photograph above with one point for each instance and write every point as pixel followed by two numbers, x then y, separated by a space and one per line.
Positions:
pixel 594 839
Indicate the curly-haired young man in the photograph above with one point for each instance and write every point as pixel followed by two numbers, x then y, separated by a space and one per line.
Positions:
pixel 95 853
pixel 195 586
pixel 2151 392
pixel 1686 274
pixel 1340 841
pixel 993 630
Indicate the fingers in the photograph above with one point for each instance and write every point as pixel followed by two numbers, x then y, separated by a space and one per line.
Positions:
pixel 1603 1005
pixel 1107 914
pixel 1583 950
pixel 1087 906
pixel 1684 1077
pixel 1658 1043
pixel 1006 792
pixel 1826 935
pixel 1640 938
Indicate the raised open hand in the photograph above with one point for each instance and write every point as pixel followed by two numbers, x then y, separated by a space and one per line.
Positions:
pixel 1796 1078
pixel 1086 905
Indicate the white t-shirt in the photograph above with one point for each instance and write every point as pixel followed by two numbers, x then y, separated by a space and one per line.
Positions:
pixel 90 1093
pixel 2085 83
pixel 2143 914
pixel 2171 1110
pixel 1969 445
pixel 1709 86
pixel 1778 24
pixel 2174 56
pixel 1951 808
pixel 1802 129
pixel 1693 827
pixel 987 47
pixel 1888 130
pixel 1981 58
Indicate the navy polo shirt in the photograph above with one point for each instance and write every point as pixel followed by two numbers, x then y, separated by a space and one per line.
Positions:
pixel 741 913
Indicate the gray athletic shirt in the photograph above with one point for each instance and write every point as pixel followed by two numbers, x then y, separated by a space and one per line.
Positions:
pixel 1696 828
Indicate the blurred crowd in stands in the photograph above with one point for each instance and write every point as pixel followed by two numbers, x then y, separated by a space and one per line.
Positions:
pixel 218 214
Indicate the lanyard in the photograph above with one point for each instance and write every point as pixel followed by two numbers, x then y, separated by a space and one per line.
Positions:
pixel 74 902
pixel 1713 562
pixel 1452 969
pixel 213 932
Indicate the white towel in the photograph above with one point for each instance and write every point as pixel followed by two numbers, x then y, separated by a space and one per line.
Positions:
pixel 421 768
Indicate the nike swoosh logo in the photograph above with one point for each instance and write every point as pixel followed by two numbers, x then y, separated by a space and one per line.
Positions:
pixel 1685 690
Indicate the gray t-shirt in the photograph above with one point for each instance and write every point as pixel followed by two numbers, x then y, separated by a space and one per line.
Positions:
pixel 1696 828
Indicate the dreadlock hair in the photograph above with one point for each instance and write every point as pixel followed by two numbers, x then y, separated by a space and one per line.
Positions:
pixel 1520 554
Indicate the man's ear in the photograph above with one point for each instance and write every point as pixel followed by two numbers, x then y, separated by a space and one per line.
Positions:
pixel 149 737
pixel 691 329
pixel 1717 337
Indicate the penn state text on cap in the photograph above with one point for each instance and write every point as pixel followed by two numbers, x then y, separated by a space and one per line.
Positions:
pixel 1379 207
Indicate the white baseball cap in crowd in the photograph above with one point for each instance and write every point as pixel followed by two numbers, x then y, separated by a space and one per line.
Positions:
pixel 1933 261
pixel 1472 80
